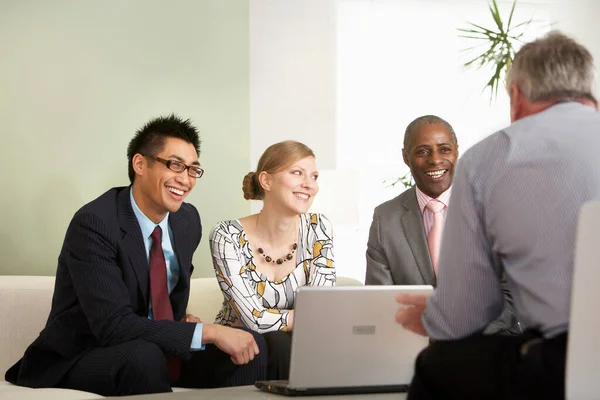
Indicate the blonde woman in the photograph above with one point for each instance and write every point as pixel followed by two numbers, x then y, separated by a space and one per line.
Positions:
pixel 261 260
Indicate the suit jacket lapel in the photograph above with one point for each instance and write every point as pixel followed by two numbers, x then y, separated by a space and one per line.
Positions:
pixel 412 223
pixel 179 227
pixel 133 242
pixel 178 224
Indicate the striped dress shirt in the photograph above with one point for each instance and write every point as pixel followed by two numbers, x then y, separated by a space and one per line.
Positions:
pixel 423 199
pixel 515 203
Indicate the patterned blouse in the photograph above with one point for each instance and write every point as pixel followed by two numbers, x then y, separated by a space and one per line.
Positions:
pixel 261 304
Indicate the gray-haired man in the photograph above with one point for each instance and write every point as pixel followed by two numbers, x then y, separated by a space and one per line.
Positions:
pixel 515 202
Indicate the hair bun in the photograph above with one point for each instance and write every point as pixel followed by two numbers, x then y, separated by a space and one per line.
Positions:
pixel 251 187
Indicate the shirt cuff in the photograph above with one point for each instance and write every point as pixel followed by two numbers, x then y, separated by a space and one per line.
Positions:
pixel 197 338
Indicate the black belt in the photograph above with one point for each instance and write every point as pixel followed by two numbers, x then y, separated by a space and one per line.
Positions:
pixel 536 338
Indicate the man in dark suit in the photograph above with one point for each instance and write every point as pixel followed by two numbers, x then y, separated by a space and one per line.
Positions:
pixel 118 323
pixel 398 250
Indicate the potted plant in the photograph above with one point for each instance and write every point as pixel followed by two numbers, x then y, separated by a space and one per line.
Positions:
pixel 495 47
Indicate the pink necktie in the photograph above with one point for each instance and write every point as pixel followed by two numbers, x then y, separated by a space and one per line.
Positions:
pixel 434 239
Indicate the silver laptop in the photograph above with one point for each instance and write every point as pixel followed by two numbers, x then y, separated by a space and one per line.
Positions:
pixel 346 340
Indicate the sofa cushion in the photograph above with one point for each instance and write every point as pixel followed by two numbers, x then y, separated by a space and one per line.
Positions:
pixel 10 391
pixel 206 299
pixel 24 306
pixel 346 281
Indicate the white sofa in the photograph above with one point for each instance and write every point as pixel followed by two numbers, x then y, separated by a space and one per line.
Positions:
pixel 25 305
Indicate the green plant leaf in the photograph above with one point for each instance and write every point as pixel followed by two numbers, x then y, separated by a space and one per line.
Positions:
pixel 484 35
pixel 494 82
pixel 406 180
pixel 485 57
pixel 473 37
pixel 496 15
pixel 512 10
pixel 495 48
pixel 470 49
pixel 487 31
pixel 525 23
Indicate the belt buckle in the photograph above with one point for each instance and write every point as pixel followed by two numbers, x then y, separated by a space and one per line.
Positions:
pixel 525 347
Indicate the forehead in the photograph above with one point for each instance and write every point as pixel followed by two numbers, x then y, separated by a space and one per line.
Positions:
pixel 431 134
pixel 178 148
pixel 306 163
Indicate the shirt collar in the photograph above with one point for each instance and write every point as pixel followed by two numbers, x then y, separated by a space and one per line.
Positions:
pixel 423 199
pixel 146 225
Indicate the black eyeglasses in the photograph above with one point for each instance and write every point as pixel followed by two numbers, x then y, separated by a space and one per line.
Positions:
pixel 177 166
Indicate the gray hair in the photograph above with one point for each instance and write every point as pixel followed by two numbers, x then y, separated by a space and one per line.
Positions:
pixel 554 67
pixel 416 124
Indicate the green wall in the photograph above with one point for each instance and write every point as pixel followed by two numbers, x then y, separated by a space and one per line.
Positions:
pixel 77 78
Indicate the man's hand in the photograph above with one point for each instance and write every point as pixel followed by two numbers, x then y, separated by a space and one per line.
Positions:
pixel 239 344
pixel 410 312
pixel 191 318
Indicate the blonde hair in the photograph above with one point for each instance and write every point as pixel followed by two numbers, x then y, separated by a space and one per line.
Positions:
pixel 554 67
pixel 276 158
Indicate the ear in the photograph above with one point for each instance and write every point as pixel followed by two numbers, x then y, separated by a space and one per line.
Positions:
pixel 405 157
pixel 516 102
pixel 589 102
pixel 139 163
pixel 265 181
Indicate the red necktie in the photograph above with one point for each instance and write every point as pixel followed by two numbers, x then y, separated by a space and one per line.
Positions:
pixel 159 294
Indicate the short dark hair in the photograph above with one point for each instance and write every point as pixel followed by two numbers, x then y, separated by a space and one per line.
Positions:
pixel 414 126
pixel 150 139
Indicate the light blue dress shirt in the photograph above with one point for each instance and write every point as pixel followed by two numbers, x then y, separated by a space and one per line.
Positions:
pixel 147 227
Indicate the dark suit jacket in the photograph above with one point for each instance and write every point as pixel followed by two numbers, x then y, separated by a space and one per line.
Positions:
pixel 398 254
pixel 101 293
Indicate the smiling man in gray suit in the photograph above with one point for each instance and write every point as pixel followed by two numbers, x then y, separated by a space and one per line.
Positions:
pixel 402 247
pixel 397 251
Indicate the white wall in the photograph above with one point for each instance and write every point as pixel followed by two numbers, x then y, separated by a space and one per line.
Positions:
pixel 579 18
pixel 293 84
pixel 77 78
pixel 292 77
